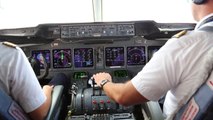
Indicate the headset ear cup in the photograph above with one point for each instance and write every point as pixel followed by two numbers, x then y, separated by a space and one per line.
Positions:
pixel 198 2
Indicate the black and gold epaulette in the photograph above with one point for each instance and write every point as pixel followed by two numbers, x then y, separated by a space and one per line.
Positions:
pixel 9 44
pixel 181 33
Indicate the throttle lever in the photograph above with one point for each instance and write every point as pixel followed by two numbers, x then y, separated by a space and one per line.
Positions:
pixel 92 83
pixel 95 87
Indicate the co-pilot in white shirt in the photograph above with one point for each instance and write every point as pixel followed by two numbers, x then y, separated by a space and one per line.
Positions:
pixel 175 69
pixel 18 79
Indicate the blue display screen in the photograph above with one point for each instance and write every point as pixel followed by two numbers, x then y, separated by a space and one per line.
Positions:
pixel 83 57
pixel 37 54
pixel 62 58
pixel 136 55
pixel 114 56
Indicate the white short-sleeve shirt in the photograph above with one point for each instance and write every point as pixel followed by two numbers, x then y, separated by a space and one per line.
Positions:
pixel 18 79
pixel 175 69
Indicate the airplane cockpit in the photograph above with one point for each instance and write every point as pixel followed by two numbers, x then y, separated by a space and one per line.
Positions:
pixel 81 49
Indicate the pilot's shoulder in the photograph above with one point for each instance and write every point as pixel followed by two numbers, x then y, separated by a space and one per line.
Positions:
pixel 180 34
pixel 9 44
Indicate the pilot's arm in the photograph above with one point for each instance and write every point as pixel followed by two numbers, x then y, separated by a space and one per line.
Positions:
pixel 123 93
pixel 20 81
pixel 158 76
pixel 41 112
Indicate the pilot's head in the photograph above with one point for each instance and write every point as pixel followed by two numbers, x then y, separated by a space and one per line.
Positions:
pixel 201 8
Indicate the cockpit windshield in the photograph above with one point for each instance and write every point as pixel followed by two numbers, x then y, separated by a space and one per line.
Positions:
pixel 27 13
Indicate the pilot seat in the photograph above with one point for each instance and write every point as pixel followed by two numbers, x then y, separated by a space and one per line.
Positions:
pixel 10 110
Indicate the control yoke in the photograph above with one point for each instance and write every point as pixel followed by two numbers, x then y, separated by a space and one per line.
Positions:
pixel 36 67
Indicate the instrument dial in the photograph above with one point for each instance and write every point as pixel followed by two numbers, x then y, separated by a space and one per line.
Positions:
pixel 136 55
pixel 62 58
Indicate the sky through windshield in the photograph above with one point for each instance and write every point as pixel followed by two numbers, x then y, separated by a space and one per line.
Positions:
pixel 30 13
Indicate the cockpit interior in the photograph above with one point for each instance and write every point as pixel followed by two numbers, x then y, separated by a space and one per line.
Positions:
pixel 81 49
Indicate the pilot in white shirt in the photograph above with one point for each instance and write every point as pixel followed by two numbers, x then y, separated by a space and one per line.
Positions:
pixel 18 79
pixel 176 69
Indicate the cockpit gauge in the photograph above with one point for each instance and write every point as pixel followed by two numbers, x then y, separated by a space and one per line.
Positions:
pixel 62 58
pixel 114 56
pixel 136 55
pixel 83 57
pixel 120 73
pixel 40 55
pixel 80 75
pixel 120 76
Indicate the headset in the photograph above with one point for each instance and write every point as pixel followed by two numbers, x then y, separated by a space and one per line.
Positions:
pixel 198 2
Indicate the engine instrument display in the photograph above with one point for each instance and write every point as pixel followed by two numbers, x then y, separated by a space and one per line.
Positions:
pixel 83 57
pixel 62 58
pixel 120 73
pixel 80 75
pixel 152 50
pixel 42 56
pixel 136 55
pixel 114 56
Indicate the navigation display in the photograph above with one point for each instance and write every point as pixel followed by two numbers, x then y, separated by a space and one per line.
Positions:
pixel 83 57
pixel 62 58
pixel 114 56
pixel 136 55
pixel 152 50
pixel 40 55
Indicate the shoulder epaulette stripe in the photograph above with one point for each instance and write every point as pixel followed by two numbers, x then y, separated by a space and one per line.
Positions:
pixel 181 33
pixel 9 44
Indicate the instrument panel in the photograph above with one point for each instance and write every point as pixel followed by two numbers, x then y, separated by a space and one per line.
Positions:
pixel 114 57
pixel 91 30
pixel 122 59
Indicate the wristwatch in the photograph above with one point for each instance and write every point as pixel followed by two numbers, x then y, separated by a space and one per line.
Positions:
pixel 103 82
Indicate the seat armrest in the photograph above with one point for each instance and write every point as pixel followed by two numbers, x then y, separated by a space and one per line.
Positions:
pixel 153 111
pixel 55 107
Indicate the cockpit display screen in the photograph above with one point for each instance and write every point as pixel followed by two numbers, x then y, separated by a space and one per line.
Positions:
pixel 83 57
pixel 114 56
pixel 136 55
pixel 152 50
pixel 62 58
pixel 41 55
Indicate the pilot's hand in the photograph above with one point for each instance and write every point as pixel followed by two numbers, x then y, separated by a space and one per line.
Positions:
pixel 48 88
pixel 98 77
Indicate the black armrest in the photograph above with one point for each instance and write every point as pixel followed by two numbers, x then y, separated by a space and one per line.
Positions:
pixel 56 103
